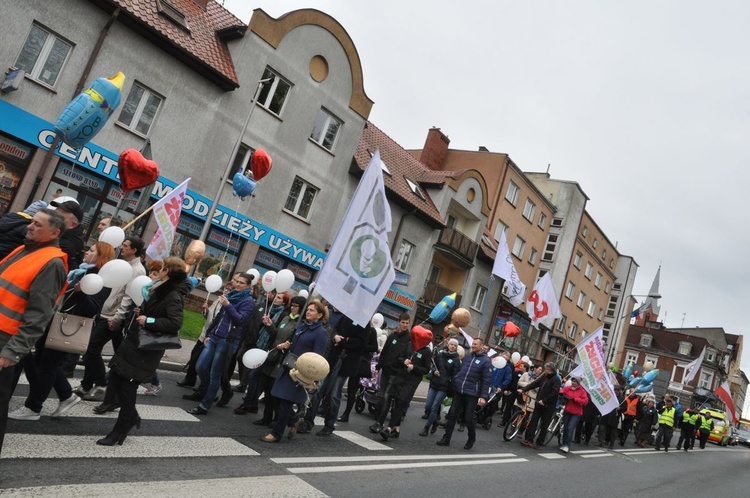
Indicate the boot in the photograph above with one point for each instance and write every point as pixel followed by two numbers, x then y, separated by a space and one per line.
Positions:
pixel 425 431
pixel 444 442
pixel 112 439
pixel 226 396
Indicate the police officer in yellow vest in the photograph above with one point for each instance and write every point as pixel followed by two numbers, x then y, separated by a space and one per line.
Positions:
pixel 666 424
pixel 687 429
pixel 704 429
pixel 31 280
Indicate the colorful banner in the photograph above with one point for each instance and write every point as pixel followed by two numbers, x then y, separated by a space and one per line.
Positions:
pixel 167 214
pixel 592 370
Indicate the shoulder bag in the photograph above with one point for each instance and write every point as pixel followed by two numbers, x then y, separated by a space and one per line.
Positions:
pixel 152 341
pixel 290 361
pixel 69 333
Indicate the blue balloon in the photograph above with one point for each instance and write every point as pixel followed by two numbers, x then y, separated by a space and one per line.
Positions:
pixel 628 371
pixel 649 377
pixel 242 185
pixel 644 388
pixel 441 310
pixel 86 114
pixel 635 381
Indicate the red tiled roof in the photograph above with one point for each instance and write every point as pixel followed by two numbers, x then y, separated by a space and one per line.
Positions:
pixel 402 165
pixel 202 45
pixel 665 340
pixel 488 246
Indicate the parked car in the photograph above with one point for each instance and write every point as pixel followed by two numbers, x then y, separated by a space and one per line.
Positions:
pixel 743 437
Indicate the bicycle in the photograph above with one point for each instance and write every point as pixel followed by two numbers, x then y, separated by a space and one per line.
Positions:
pixel 556 427
pixel 518 422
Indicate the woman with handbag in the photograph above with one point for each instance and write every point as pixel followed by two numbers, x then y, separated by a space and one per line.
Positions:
pixel 362 369
pixel 44 369
pixel 159 320
pixel 310 336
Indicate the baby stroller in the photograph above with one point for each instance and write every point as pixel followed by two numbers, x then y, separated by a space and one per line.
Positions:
pixel 483 415
pixel 369 390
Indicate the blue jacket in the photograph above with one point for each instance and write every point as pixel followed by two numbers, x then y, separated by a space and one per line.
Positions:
pixel 501 377
pixel 231 320
pixel 475 376
pixel 307 338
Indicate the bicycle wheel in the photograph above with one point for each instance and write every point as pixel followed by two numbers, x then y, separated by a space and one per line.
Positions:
pixel 511 428
pixel 554 426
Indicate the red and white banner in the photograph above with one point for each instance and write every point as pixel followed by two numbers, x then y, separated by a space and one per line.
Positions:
pixel 725 395
pixel 542 305
pixel 592 370
pixel 167 214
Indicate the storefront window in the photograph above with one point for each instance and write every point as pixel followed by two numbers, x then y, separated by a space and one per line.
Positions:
pixel 267 260
pixel 14 159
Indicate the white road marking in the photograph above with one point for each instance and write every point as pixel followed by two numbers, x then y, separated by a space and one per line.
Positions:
pixel 85 409
pixel 598 455
pixel 552 456
pixel 585 452
pixel 389 458
pixel 394 466
pixel 363 441
pixel 23 446
pixel 251 487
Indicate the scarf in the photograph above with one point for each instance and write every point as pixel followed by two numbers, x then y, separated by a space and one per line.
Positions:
pixel 235 297
pixel 75 275
pixel 264 336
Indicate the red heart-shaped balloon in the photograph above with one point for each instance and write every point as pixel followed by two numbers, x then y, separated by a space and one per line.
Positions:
pixel 260 164
pixel 510 329
pixel 135 170
pixel 420 337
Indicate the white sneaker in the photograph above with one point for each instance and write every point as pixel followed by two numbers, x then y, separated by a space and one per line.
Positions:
pixel 153 390
pixel 564 449
pixel 24 413
pixel 66 405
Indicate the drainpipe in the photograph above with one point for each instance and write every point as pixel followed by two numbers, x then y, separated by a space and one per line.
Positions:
pixel 82 81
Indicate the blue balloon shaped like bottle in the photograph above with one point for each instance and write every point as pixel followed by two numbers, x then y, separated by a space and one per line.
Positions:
pixel 441 310
pixel 242 186
pixel 86 114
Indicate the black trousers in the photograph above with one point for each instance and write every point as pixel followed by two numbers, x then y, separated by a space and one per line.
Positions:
pixel 385 398
pixel 704 433
pixel 271 405
pixel 191 375
pixel 6 391
pixel 542 415
pixel 125 390
pixel 627 426
pixel 44 372
pixel 466 406
pixel 94 372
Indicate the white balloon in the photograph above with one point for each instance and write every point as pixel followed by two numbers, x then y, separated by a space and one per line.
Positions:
pixel 377 320
pixel 568 383
pixel 135 288
pixel 303 294
pixel 284 280
pixel 255 273
pixel 113 236
pixel 499 362
pixel 461 352
pixel 268 280
pixel 515 357
pixel 116 273
pixel 91 284
pixel 213 283
pixel 254 358
pixel 525 359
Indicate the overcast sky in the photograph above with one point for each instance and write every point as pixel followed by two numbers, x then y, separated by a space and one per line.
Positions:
pixel 645 104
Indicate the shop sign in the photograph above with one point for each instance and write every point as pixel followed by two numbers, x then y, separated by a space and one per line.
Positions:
pixel 401 278
pixel 223 240
pixel 300 273
pixel 270 260
pixel 80 178
pixel 400 298
pixel 13 150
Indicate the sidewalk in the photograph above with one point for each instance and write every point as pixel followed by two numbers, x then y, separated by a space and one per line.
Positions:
pixel 174 360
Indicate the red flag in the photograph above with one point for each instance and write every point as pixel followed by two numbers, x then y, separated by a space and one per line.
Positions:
pixel 725 395
pixel 542 305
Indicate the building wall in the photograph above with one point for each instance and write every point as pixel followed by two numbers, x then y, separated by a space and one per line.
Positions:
pixel 619 321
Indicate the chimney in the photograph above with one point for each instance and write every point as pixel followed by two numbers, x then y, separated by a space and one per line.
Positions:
pixel 435 149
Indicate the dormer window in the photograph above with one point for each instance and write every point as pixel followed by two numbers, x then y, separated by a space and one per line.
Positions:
pixel 711 355
pixel 415 188
pixel 170 12
pixel 685 348
pixel 646 340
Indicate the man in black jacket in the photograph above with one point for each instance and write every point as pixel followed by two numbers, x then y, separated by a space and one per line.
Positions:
pixel 391 365
pixel 71 241
pixel 546 400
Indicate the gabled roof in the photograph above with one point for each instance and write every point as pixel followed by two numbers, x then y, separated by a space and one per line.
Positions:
pixel 402 167
pixel 202 47
pixel 715 336
pixel 667 341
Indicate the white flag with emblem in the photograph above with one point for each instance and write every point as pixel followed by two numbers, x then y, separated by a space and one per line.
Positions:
pixel 691 370
pixel 505 269
pixel 167 214
pixel 358 269
pixel 542 305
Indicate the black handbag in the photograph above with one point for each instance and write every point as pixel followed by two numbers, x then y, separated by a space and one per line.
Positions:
pixel 152 341
pixel 364 367
pixel 290 361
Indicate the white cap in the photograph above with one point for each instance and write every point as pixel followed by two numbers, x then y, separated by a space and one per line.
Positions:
pixel 65 198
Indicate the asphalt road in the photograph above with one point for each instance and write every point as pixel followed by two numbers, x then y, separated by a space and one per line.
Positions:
pixel 177 454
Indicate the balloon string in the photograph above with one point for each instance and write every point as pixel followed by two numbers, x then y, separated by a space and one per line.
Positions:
pixel 229 241
pixel 77 151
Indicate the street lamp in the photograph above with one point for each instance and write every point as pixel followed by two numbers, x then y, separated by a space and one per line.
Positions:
pixel 228 169
pixel 614 339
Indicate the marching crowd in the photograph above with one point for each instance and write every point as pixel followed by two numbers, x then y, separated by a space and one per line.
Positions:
pixel 43 263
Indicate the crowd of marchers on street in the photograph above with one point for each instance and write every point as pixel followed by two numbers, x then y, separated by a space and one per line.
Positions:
pixel 43 269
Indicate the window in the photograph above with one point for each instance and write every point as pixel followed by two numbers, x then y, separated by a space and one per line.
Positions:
pixel 450 221
pixel 557 222
pixel 404 254
pixel 273 94
pixel 618 287
pixel 573 330
pixel 578 260
pixel 604 255
pixel 646 340
pixel 174 15
pixel 612 306
pixel 549 248
pixel 242 159
pixel 518 247
pixel 414 188
pixel 512 194
pixel 528 210
pixel 710 355
pixel 631 356
pixel 300 198
pixel 479 293
pixel 140 108
pixel 601 314
pixel 585 231
pixel 592 309
pixel 706 379
pixel 542 220
pixel 532 256
pixel 598 281
pixel 595 243
pixel 581 299
pixel 326 129
pixel 589 270
pixel 569 290
pixel 653 359
pixel 611 263
pixel 435 273
pixel 43 55
pixel 561 324
pixel 607 287
pixel 685 348
pixel 500 229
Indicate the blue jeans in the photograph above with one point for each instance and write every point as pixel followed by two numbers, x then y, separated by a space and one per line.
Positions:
pixel 570 422
pixel 210 367
pixel 433 403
